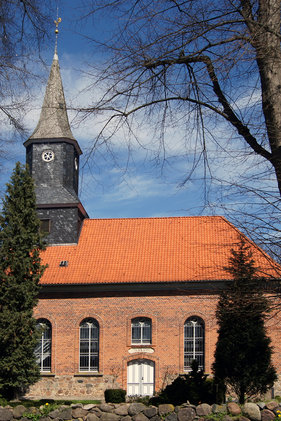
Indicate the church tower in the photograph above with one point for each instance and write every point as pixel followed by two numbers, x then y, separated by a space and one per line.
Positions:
pixel 52 154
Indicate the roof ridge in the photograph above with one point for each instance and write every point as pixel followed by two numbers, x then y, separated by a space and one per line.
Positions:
pixel 158 217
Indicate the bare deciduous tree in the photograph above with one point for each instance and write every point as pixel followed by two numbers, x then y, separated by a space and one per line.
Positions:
pixel 199 56
pixel 23 29
pixel 198 64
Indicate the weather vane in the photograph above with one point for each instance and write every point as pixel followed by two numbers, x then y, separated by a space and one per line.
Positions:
pixel 57 24
pixel 57 29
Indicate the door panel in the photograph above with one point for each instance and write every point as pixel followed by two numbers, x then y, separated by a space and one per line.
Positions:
pixel 140 377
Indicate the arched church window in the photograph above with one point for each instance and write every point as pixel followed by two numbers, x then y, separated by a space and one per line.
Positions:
pixel 43 350
pixel 141 331
pixel 194 332
pixel 89 345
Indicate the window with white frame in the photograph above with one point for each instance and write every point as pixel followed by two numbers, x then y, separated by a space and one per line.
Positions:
pixel 193 342
pixel 89 345
pixel 141 331
pixel 43 350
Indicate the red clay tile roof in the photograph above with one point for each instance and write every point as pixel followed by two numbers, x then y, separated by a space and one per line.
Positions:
pixel 143 250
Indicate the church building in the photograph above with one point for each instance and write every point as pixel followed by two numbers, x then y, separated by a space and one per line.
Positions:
pixel 125 303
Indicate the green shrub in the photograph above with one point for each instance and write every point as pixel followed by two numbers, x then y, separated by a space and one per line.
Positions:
pixel 193 387
pixel 115 395
pixel 3 401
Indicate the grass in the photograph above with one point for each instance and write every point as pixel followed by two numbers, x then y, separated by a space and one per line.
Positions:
pixel 217 417
pixel 52 402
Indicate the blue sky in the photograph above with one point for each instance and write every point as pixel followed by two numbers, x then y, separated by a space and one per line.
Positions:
pixel 116 182
pixel 113 184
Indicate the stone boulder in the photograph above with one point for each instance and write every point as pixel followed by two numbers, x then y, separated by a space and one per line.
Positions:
pixel 186 414
pixel 109 416
pixel 252 411
pixel 203 409
pixel 165 409
pixel 92 417
pixel 171 417
pixel 18 411
pixel 267 415
pixel 233 408
pixel 150 412
pixel 121 410
pixel 135 408
pixel 6 414
pixel 79 413
pixel 89 406
pixel 272 405
pixel 218 409
pixel 105 407
pixel 140 417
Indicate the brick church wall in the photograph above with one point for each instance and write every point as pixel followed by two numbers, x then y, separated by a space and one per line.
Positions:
pixel 168 313
pixel 114 313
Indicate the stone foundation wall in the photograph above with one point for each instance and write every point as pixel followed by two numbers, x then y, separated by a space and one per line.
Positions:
pixel 276 391
pixel 90 387
pixel 71 387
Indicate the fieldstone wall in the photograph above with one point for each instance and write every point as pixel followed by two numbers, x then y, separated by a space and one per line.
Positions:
pixel 71 387
pixel 140 412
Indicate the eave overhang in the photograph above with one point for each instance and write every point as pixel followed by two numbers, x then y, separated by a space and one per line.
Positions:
pixel 55 140
pixel 213 287
pixel 64 205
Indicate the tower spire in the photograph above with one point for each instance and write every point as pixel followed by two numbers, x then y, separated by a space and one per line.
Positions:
pixel 52 154
pixel 53 122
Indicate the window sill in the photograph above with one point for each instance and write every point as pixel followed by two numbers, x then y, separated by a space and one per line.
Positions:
pixel 148 349
pixel 46 374
pixel 88 374
pixel 141 345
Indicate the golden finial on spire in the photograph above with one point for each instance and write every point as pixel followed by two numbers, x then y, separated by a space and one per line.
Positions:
pixel 56 32
pixel 57 24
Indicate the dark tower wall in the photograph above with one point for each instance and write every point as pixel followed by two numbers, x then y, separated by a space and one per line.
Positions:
pixel 64 224
pixel 62 170
pixel 56 186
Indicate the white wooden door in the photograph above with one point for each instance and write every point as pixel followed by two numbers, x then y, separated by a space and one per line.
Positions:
pixel 140 378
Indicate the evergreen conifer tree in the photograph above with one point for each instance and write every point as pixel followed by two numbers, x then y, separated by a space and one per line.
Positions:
pixel 20 272
pixel 243 352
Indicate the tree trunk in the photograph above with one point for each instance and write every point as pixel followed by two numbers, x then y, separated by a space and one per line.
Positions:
pixel 266 40
pixel 242 395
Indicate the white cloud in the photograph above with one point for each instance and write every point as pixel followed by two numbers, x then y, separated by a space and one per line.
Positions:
pixel 147 169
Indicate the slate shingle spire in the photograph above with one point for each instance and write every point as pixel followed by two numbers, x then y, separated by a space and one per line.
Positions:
pixel 53 121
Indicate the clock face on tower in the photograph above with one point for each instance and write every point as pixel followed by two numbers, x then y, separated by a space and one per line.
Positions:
pixel 48 155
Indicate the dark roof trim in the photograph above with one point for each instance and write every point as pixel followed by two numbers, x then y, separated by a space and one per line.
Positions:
pixel 78 205
pixel 64 205
pixel 214 286
pixel 134 287
pixel 55 140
